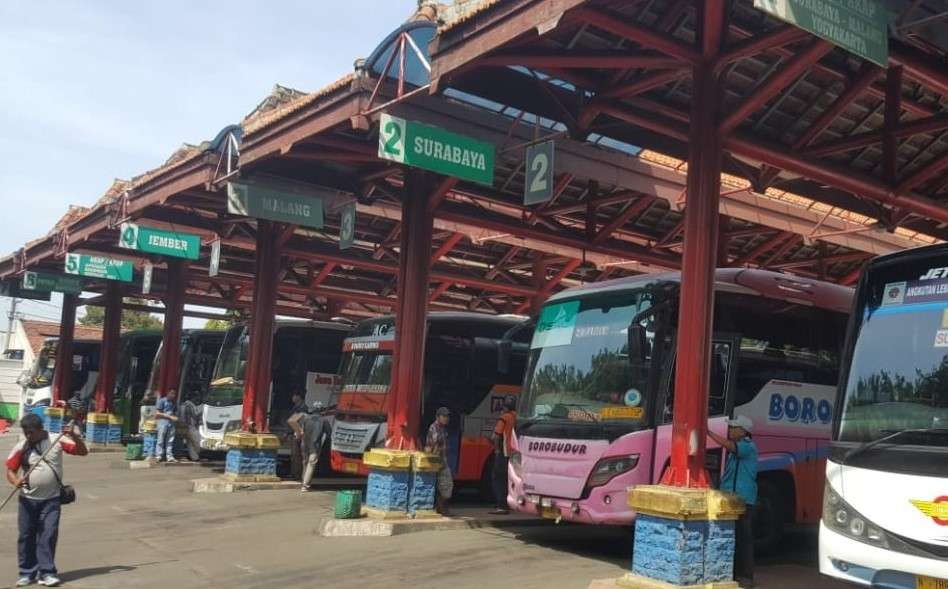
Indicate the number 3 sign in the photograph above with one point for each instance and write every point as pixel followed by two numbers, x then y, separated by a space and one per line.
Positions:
pixel 538 167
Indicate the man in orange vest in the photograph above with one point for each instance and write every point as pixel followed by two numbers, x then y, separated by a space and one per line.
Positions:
pixel 503 437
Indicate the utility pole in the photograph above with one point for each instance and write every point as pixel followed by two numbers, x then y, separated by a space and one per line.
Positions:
pixel 12 316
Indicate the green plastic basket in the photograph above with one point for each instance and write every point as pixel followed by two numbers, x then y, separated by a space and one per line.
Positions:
pixel 348 504
pixel 133 451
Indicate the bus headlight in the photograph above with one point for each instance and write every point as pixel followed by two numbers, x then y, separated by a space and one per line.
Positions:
pixel 231 426
pixel 516 462
pixel 840 517
pixel 609 468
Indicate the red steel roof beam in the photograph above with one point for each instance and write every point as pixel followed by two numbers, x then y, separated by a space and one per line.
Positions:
pixel 550 284
pixel 642 84
pixel 866 77
pixel 633 210
pixel 763 248
pixel 776 83
pixel 324 273
pixel 438 291
pixel 752 46
pixel 924 174
pixel 893 110
pixel 918 127
pixel 446 247
pixel 643 36
pixel 931 74
pixel 441 192
pixel 784 248
pixel 606 60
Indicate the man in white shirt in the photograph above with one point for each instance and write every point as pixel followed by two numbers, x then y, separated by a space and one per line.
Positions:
pixel 39 497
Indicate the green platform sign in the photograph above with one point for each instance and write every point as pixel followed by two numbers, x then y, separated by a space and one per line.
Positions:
pixel 99 267
pixel 858 26
pixel 160 241
pixel 44 281
pixel 276 202
pixel 347 220
pixel 431 148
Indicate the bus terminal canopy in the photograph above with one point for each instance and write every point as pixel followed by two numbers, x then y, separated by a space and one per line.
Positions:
pixel 830 160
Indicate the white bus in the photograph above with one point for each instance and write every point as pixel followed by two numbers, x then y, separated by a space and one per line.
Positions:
pixel 306 357
pixel 885 508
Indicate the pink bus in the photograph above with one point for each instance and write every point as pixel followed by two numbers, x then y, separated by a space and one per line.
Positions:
pixel 595 412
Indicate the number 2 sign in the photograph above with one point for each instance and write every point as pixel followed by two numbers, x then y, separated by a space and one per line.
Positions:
pixel 538 171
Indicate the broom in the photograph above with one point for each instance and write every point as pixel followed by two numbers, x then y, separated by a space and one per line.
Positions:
pixel 38 462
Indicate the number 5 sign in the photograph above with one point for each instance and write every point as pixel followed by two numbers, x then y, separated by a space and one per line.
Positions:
pixel 538 170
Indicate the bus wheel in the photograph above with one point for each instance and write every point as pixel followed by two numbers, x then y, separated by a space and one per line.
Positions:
pixel 768 517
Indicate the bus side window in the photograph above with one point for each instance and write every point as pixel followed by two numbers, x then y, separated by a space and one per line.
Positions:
pixel 717 390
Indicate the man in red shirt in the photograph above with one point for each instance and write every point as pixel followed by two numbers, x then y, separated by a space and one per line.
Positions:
pixel 503 435
pixel 39 497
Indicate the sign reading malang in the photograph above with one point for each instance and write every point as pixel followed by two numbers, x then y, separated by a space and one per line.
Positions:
pixel 431 148
pixel 276 202
pixel 159 241
pixel 858 26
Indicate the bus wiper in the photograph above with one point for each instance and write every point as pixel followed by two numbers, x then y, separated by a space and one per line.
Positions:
pixel 890 436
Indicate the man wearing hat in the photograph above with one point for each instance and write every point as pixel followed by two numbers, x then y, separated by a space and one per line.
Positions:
pixel 740 477
pixel 437 443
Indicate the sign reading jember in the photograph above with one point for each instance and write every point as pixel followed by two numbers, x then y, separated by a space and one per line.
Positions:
pixel 48 282
pixel 275 202
pixel 99 267
pixel 431 148
pixel 159 241
pixel 858 26
pixel 538 166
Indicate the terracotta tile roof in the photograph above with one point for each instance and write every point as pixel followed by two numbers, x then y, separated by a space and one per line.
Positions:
pixel 260 118
pixel 182 155
pixel 39 331
pixel 461 11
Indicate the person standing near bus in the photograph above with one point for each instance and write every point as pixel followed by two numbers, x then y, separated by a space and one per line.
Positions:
pixel 294 437
pixel 315 428
pixel 740 478
pixel 166 415
pixel 503 435
pixel 437 443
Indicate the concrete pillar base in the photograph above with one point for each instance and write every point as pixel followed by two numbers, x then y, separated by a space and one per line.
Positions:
pixel 53 419
pixel 251 457
pixel 388 485
pixel 98 429
pixel 424 484
pixel 116 423
pixel 683 537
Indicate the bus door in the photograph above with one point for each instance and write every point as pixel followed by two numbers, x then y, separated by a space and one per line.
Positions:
pixel 448 383
pixel 724 350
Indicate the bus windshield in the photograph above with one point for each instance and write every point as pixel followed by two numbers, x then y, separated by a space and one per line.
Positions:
pixel 227 385
pixel 580 369
pixel 898 377
pixel 367 372
pixel 43 366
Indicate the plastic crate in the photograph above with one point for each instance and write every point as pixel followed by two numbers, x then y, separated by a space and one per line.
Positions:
pixel 348 504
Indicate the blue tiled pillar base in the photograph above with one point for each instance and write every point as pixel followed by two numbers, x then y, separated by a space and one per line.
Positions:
pixel 387 490
pixel 98 433
pixel 149 439
pixel 53 425
pixel 421 495
pixel 114 435
pixel 251 463
pixel 683 552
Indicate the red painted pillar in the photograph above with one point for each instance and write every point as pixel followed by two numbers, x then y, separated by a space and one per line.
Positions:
pixel 257 377
pixel 404 415
pixel 540 266
pixel 111 339
pixel 690 420
pixel 170 369
pixel 62 376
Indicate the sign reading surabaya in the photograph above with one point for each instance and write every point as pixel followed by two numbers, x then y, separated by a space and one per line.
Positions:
pixel 99 267
pixel 159 241
pixel 48 282
pixel 858 26
pixel 287 203
pixel 431 148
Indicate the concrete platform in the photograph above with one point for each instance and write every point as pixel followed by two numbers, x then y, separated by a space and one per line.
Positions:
pixel 140 464
pixel 104 449
pixel 460 519
pixel 222 485
pixel 635 582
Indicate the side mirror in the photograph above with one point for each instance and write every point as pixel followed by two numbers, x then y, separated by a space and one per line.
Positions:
pixel 637 344
pixel 504 350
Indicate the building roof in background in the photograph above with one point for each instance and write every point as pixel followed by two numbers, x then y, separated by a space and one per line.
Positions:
pixel 39 331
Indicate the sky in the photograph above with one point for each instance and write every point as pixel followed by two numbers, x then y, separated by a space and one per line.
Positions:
pixel 103 89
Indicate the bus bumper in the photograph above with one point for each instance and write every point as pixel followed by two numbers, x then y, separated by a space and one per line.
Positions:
pixel 607 505
pixel 844 558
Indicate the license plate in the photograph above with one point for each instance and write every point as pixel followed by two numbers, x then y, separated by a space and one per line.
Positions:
pixel 930 583
pixel 551 513
pixel 350 467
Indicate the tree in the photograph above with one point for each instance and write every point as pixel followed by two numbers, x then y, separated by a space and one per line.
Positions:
pixel 131 320
pixel 217 324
